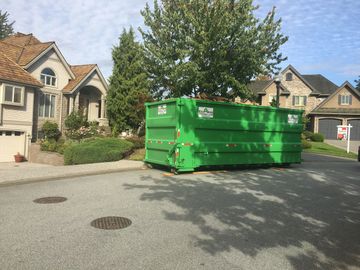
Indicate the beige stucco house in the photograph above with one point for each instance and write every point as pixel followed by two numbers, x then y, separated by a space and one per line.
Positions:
pixel 326 104
pixel 37 84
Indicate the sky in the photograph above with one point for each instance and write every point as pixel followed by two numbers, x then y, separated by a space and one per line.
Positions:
pixel 324 35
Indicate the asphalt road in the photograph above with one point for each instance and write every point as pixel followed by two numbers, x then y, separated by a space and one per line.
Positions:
pixel 303 217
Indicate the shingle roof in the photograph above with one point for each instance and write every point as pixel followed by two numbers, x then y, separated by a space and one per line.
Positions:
pixel 321 84
pixel 10 71
pixel 80 71
pixel 22 48
pixel 258 87
pixel 336 111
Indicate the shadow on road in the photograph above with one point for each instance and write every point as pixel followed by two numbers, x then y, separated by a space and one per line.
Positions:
pixel 313 212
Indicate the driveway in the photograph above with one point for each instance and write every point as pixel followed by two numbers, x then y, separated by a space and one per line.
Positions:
pixel 354 145
pixel 303 217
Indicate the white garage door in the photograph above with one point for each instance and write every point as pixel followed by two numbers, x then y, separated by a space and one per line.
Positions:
pixel 11 142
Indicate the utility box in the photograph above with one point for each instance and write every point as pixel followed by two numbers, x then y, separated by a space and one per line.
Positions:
pixel 186 134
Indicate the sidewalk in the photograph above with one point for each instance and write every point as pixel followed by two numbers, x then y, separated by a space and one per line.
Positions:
pixel 16 173
pixel 354 145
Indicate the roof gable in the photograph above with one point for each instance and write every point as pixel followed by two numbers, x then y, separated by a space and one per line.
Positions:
pixel 290 67
pixel 12 72
pixel 345 85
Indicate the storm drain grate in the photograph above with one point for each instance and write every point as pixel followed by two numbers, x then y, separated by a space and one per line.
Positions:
pixel 111 223
pixel 46 200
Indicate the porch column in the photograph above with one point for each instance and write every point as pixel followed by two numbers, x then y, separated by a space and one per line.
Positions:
pixel 71 104
pixel 77 101
pixel 102 113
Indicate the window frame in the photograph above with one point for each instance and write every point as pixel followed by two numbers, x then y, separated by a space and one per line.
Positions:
pixel 345 97
pixel 13 103
pixel 288 77
pixel 300 104
pixel 43 111
pixel 50 77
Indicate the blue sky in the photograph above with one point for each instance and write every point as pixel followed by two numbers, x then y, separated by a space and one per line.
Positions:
pixel 324 35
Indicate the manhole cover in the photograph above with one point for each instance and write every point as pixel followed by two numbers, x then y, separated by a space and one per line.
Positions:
pixel 111 223
pixel 45 200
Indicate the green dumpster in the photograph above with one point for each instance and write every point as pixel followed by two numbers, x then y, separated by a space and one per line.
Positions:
pixel 186 134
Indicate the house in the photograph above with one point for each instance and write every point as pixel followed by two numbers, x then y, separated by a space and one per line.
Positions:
pixel 37 84
pixel 326 104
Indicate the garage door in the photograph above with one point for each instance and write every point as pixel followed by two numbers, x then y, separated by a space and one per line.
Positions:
pixel 11 142
pixel 355 130
pixel 328 127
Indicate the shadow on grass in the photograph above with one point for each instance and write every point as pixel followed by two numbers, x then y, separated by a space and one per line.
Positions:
pixel 314 215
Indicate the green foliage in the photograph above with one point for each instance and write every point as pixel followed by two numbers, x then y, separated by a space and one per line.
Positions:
pixel 306 144
pixel 79 128
pixel 6 28
pixel 357 84
pixel 305 121
pixel 129 85
pixel 273 102
pixel 97 150
pixel 199 46
pixel 48 145
pixel 138 142
pixel 75 120
pixel 317 137
pixel 307 134
pixel 51 130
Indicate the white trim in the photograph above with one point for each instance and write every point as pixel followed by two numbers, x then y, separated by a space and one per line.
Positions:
pixel 57 51
pixel 50 76
pixel 345 97
pixel 87 76
pixel 12 103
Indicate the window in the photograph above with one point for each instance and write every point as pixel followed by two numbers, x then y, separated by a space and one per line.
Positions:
pixel 46 105
pixel 13 95
pixel 345 99
pixel 289 76
pixel 299 100
pixel 48 77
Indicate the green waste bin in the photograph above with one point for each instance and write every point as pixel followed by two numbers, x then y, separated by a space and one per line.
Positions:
pixel 186 134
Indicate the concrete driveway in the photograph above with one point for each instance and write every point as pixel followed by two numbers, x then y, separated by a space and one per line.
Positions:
pixel 303 217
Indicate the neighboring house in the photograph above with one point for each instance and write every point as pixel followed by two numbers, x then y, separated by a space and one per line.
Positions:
pixel 312 94
pixel 37 84
pixel 341 108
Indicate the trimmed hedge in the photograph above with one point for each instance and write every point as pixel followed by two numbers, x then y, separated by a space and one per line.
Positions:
pixel 305 144
pixel 317 137
pixel 97 150
pixel 139 142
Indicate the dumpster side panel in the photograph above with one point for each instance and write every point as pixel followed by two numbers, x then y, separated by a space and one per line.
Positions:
pixel 161 123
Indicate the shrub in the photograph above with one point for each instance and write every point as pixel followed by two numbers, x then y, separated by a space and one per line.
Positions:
pixel 308 134
pixel 97 150
pixel 317 137
pixel 305 144
pixel 75 120
pixel 48 145
pixel 138 142
pixel 51 130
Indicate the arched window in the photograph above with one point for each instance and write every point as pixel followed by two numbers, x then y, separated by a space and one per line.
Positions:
pixel 48 77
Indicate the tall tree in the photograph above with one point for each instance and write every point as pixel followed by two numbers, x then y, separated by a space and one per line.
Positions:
pixel 6 28
pixel 357 84
pixel 129 84
pixel 209 46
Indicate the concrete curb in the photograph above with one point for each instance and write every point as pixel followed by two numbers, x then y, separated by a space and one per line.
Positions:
pixel 324 155
pixel 67 176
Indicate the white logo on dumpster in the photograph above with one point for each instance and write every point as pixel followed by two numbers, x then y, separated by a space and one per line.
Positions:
pixel 293 119
pixel 161 109
pixel 206 112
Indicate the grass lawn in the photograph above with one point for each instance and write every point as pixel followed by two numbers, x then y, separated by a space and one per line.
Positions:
pixel 326 149
pixel 138 155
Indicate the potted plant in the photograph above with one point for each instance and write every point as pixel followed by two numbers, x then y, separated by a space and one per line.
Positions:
pixel 19 158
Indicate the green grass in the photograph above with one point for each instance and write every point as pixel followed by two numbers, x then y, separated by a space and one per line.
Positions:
pixel 138 155
pixel 97 150
pixel 326 149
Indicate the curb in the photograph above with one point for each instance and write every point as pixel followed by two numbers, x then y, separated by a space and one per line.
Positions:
pixel 324 155
pixel 67 176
